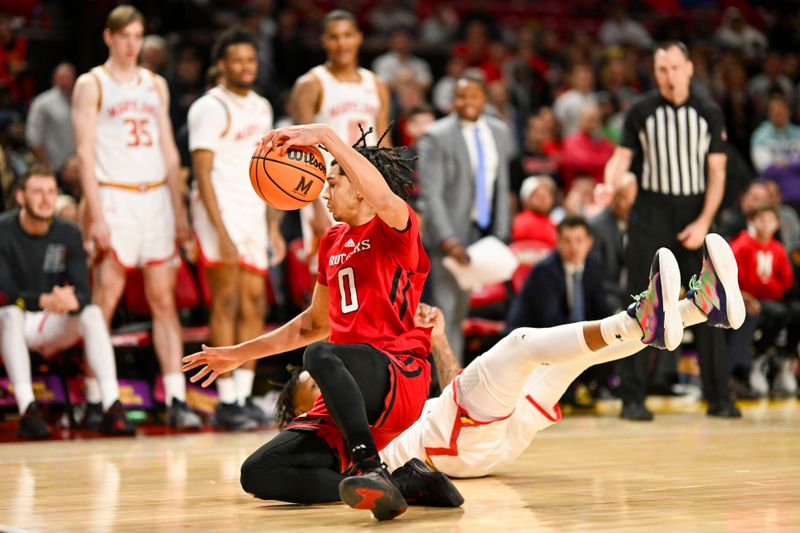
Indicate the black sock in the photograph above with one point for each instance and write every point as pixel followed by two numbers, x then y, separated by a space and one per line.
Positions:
pixel 365 457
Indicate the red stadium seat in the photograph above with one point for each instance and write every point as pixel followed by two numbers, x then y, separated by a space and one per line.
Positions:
pixel 484 295
pixel 529 253
pixel 186 295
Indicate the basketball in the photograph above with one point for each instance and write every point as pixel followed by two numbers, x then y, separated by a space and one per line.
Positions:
pixel 288 181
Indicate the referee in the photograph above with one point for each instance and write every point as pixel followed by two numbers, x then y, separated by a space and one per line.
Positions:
pixel 679 137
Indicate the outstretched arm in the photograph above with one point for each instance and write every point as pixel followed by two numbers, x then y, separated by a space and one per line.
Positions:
pixel 367 180
pixel 309 326
pixel 446 364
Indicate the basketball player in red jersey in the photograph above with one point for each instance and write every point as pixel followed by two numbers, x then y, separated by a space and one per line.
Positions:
pixel 342 95
pixel 372 371
pixel 131 183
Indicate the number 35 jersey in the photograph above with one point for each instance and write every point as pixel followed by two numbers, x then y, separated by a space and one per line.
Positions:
pixel 127 145
pixel 375 274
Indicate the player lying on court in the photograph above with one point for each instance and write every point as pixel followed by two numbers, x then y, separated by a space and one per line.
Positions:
pixel 372 369
pixel 488 413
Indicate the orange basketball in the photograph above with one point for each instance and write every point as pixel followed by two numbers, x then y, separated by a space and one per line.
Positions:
pixel 288 181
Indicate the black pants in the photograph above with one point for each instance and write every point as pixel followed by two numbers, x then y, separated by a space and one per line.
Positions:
pixel 775 315
pixel 298 466
pixel 655 221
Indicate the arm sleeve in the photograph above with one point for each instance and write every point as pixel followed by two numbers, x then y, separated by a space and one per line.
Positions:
pixel 432 174
pixel 716 127
pixel 77 269
pixel 207 121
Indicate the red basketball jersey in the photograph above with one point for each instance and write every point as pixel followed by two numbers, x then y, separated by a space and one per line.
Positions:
pixel 374 274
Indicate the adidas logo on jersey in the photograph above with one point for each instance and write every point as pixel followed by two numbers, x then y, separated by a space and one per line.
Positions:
pixel 338 259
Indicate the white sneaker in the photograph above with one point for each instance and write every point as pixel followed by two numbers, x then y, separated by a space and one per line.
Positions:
pixel 785 383
pixel 758 377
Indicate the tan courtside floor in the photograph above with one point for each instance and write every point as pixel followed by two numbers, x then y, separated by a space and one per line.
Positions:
pixel 684 472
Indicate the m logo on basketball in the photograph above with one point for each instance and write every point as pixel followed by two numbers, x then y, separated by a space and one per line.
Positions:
pixel 303 187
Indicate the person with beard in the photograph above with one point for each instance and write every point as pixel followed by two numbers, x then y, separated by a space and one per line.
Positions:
pixel 44 291
pixel 231 223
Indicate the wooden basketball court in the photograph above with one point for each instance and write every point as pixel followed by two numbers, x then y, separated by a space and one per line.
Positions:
pixel 684 472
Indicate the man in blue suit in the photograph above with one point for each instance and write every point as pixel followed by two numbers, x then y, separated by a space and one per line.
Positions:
pixel 565 287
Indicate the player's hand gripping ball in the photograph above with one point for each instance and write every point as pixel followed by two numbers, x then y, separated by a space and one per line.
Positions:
pixel 288 181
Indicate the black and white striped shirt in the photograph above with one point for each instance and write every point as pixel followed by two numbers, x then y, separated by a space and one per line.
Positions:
pixel 673 142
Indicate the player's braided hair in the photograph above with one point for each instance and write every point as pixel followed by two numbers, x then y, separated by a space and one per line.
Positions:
pixel 394 164
pixel 284 409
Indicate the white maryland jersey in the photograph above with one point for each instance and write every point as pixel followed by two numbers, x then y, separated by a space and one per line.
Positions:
pixel 127 144
pixel 231 126
pixel 345 105
pixel 447 438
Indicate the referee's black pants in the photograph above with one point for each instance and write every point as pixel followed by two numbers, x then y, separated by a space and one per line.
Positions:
pixel 655 221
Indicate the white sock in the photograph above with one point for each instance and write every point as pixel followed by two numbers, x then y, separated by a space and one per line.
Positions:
pixel 15 355
pixel 174 387
pixel 92 390
pixel 619 328
pixel 226 389
pixel 243 379
pixel 100 356
pixel 690 313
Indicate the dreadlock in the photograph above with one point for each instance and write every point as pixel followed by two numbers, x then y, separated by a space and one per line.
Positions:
pixel 284 410
pixel 394 164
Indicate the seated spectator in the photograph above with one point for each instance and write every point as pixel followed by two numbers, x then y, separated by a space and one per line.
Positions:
pixel 620 30
pixel 790 221
pixel 733 220
pixel 776 141
pixel 399 63
pixel 49 126
pixel 442 93
pixel 534 159
pixel 586 151
pixel 735 33
pixel 44 285
pixel 569 104
pixel 769 82
pixel 585 199
pixel 533 222
pixel 610 230
pixel 765 276
pixel 567 286
pixel 775 148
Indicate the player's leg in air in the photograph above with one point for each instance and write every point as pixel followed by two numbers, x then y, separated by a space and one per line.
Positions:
pixel 511 392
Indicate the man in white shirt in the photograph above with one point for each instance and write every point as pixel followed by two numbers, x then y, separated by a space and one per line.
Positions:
pixel 400 65
pixel 49 126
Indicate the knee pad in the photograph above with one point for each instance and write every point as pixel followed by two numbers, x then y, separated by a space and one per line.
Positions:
pixel 319 355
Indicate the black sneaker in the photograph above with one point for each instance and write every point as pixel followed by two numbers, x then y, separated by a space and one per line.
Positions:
pixel 375 491
pixel 233 417
pixel 636 411
pixel 93 417
pixel 256 413
pixel 115 422
pixel 181 417
pixel 724 410
pixel 32 424
pixel 421 485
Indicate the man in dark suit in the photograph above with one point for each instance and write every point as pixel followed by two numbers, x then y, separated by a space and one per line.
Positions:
pixel 567 286
pixel 463 175
pixel 609 230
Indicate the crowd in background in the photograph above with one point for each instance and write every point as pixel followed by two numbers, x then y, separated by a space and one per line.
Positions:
pixel 559 74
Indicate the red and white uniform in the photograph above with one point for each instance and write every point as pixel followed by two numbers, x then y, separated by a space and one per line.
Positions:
pixel 231 126
pixel 374 275
pixel 344 105
pixel 452 442
pixel 130 169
